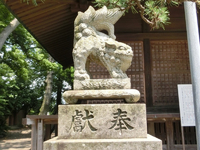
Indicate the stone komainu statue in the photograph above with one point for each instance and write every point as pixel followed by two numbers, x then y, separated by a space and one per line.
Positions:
pixel 91 44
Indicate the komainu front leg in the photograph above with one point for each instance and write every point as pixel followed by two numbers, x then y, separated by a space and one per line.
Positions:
pixel 79 65
pixel 117 73
pixel 81 75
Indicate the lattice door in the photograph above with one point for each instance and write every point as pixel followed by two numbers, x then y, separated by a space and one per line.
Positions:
pixel 170 66
pixel 135 72
pixel 160 131
pixel 189 134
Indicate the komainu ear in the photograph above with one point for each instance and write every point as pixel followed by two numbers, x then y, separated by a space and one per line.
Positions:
pixel 110 44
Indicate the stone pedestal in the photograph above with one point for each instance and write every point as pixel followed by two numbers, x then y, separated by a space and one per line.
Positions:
pixel 148 143
pixel 102 121
pixel 103 127
pixel 130 95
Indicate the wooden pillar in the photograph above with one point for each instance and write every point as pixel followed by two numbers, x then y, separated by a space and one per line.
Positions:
pixel 56 130
pixel 150 128
pixel 47 132
pixel 147 72
pixel 194 55
pixel 170 134
pixel 34 134
pixel 40 135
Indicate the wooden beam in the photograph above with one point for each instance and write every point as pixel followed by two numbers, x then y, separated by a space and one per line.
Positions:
pixel 66 36
pixel 40 2
pixel 187 147
pixel 45 17
pixel 46 39
pixel 151 36
pixel 38 11
pixel 150 128
pixel 51 27
pixel 163 115
pixel 42 116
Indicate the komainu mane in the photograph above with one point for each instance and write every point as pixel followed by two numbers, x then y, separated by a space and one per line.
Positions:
pixel 91 44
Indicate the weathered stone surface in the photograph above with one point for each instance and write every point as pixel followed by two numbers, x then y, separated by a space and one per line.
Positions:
pixel 130 95
pixel 149 143
pixel 102 121
pixel 98 84
pixel 92 45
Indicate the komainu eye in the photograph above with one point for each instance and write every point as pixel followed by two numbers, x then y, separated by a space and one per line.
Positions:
pixel 122 48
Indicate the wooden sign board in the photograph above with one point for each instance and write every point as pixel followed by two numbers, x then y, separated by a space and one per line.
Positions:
pixel 186 104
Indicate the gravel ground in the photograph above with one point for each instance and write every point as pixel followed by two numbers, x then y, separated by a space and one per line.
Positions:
pixel 18 139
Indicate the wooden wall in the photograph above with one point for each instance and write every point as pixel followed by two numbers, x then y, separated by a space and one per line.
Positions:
pixel 157 67
pixel 160 62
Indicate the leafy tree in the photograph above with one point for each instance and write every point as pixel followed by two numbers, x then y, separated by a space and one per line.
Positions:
pixel 62 81
pixel 3 113
pixel 24 66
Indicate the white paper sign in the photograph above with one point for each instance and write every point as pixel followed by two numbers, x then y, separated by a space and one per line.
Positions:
pixel 186 104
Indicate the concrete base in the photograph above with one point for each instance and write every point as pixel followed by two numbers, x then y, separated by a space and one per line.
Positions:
pixel 149 143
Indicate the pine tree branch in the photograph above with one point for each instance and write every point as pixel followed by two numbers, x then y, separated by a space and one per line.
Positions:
pixel 142 8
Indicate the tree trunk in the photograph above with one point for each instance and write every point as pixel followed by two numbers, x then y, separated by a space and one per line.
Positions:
pixel 47 95
pixel 7 30
pixel 59 94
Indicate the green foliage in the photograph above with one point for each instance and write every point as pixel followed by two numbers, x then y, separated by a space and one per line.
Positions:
pixel 157 13
pixel 153 12
pixel 4 14
pixel 3 115
pixel 61 78
pixel 15 59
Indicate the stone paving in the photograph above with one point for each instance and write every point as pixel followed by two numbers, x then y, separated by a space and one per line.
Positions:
pixel 19 139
